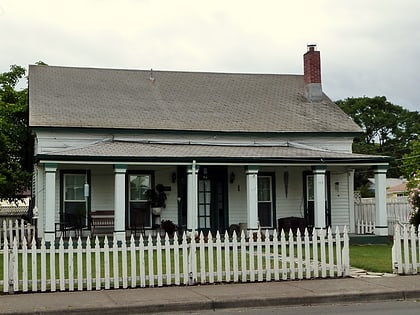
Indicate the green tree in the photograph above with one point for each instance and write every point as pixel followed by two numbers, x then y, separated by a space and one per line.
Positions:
pixel 16 144
pixel 388 128
pixel 411 161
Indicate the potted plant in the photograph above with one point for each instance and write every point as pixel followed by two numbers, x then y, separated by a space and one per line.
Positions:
pixel 157 198
pixel 169 227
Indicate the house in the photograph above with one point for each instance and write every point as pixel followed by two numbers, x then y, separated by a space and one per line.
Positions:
pixel 15 210
pixel 243 149
pixel 395 188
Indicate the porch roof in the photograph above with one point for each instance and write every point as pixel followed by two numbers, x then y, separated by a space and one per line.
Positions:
pixel 145 151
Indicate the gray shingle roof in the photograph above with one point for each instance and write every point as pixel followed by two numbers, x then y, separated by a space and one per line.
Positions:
pixel 128 99
pixel 139 150
pixel 9 211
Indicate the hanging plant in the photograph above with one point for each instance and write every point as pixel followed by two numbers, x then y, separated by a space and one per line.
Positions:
pixel 156 196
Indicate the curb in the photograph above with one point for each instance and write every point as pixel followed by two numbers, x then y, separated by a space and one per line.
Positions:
pixel 236 303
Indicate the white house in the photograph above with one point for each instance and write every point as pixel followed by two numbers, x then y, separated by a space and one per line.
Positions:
pixel 227 148
pixel 395 188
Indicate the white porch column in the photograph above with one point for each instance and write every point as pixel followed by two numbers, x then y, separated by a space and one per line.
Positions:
pixel 319 195
pixel 119 202
pixel 50 191
pixel 381 226
pixel 352 227
pixel 192 200
pixel 252 197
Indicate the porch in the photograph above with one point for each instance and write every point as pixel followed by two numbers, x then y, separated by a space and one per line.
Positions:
pixel 204 197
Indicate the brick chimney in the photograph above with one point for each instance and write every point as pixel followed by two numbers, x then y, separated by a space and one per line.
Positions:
pixel 312 74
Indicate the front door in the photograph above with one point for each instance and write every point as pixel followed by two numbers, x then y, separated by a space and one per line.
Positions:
pixel 212 199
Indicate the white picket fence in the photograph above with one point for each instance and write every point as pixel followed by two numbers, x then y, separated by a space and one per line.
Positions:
pixel 162 262
pixel 406 250
pixel 365 227
pixel 398 212
pixel 19 229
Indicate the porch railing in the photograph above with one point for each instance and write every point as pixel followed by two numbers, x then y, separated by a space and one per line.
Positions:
pixel 105 264
pixel 398 212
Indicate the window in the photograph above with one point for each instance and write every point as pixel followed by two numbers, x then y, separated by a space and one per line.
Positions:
pixel 265 200
pixel 204 203
pixel 75 199
pixel 310 192
pixel 139 209
pixel 309 199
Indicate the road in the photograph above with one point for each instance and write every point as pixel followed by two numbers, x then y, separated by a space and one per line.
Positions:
pixel 409 307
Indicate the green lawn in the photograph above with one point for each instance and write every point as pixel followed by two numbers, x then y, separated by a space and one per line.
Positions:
pixel 376 258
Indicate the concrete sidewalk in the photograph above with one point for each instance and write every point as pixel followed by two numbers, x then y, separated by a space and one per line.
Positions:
pixel 171 299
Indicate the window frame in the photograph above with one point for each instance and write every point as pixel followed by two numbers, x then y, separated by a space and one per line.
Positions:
pixel 272 202
pixel 87 200
pixel 145 202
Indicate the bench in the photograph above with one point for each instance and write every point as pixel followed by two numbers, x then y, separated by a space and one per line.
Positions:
pixel 102 222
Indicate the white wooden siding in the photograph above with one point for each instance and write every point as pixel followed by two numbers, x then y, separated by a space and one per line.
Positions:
pixel 340 211
pixel 102 187
pixel 163 175
pixel 237 196
pixel 293 204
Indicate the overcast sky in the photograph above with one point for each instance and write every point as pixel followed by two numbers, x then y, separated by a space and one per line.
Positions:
pixel 368 47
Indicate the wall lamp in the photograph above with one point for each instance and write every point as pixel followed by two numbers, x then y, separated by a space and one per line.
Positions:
pixel 232 177
pixel 173 177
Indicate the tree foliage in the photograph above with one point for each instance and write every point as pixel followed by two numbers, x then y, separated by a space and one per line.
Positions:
pixel 411 160
pixel 388 128
pixel 15 139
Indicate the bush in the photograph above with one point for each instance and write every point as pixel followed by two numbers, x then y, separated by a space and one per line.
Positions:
pixel 414 199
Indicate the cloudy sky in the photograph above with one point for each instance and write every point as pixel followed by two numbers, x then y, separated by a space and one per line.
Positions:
pixel 368 47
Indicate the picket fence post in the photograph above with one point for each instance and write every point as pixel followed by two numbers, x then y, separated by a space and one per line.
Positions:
pixel 346 253
pixel 283 255
pixel 299 254
pixel 142 262
pixel 306 241
pixel 413 265
pixel 168 251
pixel 88 264
pixel 235 258
pixel 338 252
pixel 201 249
pixel 219 257
pixel 177 280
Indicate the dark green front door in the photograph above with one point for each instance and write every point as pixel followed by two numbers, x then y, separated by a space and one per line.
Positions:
pixel 212 199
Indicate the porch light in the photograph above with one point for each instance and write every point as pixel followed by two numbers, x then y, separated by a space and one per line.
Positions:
pixel 86 190
pixel 337 186
pixel 232 177
pixel 173 177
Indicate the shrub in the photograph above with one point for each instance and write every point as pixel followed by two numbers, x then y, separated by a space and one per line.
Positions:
pixel 414 199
